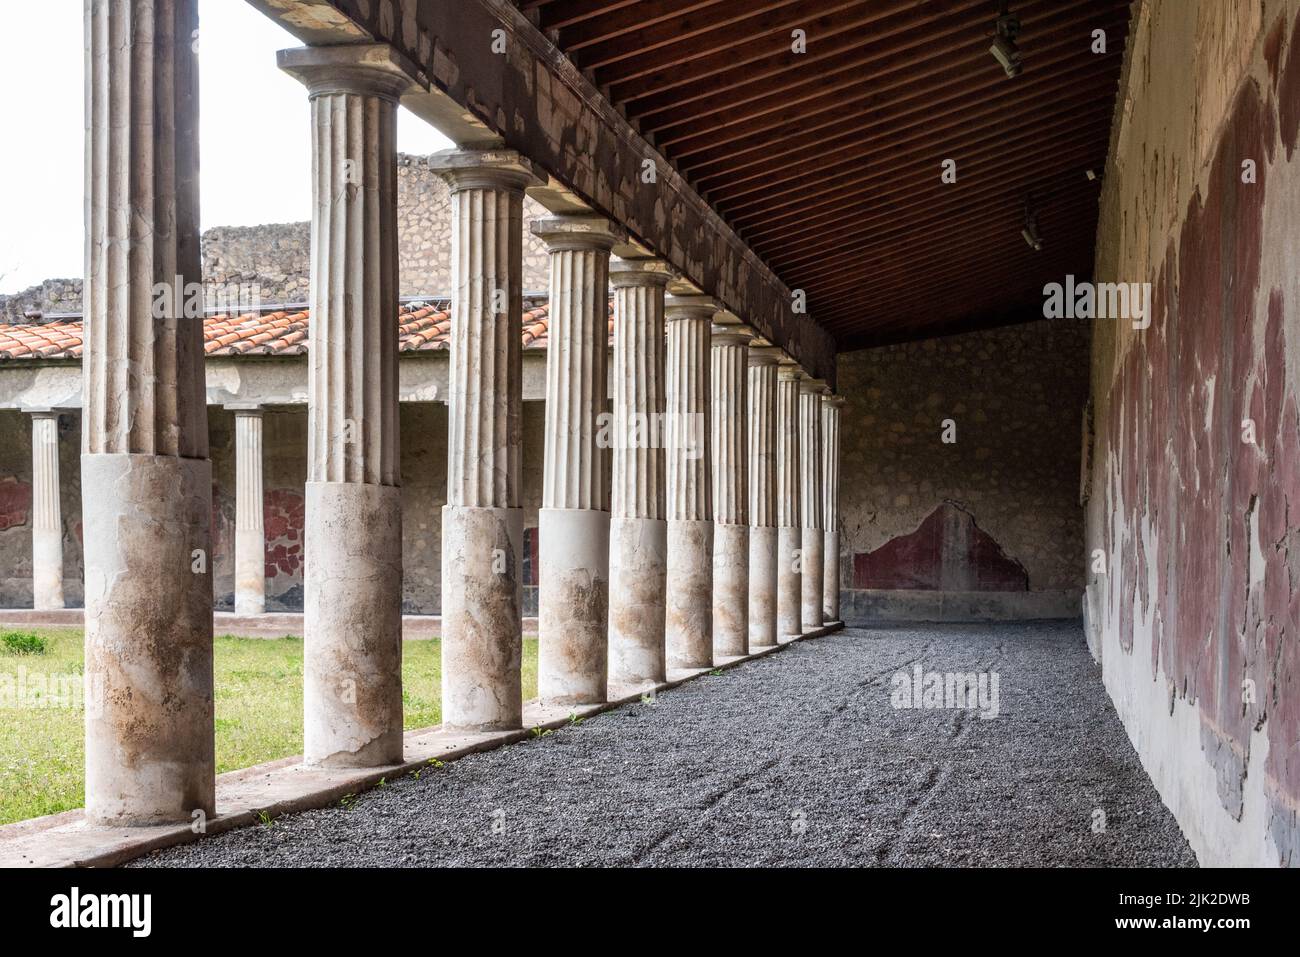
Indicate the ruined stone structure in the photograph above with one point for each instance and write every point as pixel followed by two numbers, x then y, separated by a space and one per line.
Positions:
pixel 689 400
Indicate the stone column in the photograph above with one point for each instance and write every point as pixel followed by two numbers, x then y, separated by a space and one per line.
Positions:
pixel 638 531
pixel 573 524
pixel 145 474
pixel 789 530
pixel 763 532
pixel 729 375
pixel 831 406
pixel 250 536
pixel 482 523
pixel 810 504
pixel 688 627
pixel 352 668
pixel 47 515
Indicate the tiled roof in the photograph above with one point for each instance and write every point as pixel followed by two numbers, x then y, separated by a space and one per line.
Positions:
pixel 421 328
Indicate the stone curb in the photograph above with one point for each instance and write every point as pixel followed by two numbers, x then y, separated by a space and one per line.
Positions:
pixel 285 786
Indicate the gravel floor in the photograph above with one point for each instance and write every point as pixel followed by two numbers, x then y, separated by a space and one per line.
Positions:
pixel 796 759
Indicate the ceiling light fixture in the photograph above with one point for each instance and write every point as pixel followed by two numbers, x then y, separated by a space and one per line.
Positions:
pixel 1030 232
pixel 1004 47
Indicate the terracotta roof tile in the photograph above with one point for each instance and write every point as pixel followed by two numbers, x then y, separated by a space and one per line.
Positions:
pixel 421 327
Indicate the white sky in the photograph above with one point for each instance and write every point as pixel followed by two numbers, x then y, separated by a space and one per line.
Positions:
pixel 256 140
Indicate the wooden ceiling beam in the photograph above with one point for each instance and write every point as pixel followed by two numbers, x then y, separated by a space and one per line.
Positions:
pixel 816 168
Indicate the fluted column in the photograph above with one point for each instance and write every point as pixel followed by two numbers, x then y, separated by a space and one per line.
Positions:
pixel 763 533
pixel 482 522
pixel 250 536
pixel 729 375
pixel 352 677
pixel 688 627
pixel 573 523
pixel 638 530
pixel 47 514
pixel 145 474
pixel 810 504
pixel 831 405
pixel 789 525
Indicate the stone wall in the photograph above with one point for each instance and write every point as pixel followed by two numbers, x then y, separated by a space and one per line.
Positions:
pixel 1193 604
pixel 960 473
pixel 424 234
pixel 51 296
pixel 276 257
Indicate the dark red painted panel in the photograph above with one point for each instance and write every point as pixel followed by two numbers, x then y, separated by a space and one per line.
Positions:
pixel 947 552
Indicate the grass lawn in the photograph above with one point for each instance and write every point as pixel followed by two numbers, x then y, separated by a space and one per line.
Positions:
pixel 258 712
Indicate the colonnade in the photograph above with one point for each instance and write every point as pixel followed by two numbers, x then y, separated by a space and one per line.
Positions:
pixel 683 523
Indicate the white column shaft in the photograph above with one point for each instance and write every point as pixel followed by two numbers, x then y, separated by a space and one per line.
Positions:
pixel 789 526
pixel 250 536
pixel 47 513
pixel 729 377
pixel 146 478
pixel 638 531
pixel 352 682
pixel 573 603
pixel 689 612
pixel 810 505
pixel 763 632
pixel 831 406
pixel 483 526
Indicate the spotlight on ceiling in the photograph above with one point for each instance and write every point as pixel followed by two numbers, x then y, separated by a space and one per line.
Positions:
pixel 1030 232
pixel 1004 47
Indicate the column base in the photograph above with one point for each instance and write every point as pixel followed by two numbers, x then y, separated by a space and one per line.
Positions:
pixel 789 581
pixel 762 586
pixel 250 572
pixel 688 617
pixel 352 619
pixel 573 606
pixel 831 576
pixel 47 569
pixel 730 590
pixel 482 629
pixel 148 666
pixel 638 572
pixel 810 615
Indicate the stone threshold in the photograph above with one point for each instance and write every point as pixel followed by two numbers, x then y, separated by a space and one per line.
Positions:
pixel 271 624
pixel 282 787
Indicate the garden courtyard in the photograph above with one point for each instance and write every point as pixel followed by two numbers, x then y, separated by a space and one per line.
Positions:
pixel 259 711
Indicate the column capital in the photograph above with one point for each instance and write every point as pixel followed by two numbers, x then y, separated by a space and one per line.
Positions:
pixel 485 169
pixel 690 307
pixel 244 409
pixel 363 69
pixel 788 370
pixel 639 272
pixel 764 355
pixel 729 334
pixel 580 231
pixel 810 386
pixel 44 412
pixel 834 401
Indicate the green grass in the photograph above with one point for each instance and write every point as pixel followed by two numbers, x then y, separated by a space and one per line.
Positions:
pixel 258 712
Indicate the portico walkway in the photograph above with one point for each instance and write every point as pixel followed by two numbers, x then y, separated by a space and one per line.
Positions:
pixel 799 758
